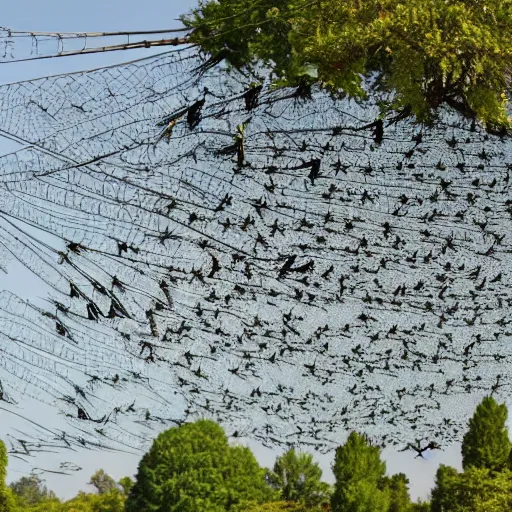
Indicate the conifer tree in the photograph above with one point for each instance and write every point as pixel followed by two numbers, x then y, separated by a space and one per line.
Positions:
pixel 400 500
pixel 442 497
pixel 486 443
pixel 359 473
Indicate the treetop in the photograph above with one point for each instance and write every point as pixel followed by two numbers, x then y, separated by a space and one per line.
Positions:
pixel 427 53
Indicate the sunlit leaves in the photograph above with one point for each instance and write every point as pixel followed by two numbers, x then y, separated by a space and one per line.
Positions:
pixel 359 472
pixel 427 53
pixel 6 498
pixel 474 490
pixel 193 468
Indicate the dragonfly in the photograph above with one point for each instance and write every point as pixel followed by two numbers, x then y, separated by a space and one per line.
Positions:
pixel 430 446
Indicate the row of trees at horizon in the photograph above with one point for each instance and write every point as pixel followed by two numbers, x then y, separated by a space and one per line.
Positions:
pixel 194 468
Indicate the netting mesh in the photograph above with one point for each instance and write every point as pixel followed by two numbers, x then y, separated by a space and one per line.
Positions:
pixel 287 266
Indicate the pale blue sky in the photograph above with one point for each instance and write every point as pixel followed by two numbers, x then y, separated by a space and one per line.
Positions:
pixel 115 15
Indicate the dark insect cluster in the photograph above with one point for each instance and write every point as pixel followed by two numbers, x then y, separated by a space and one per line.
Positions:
pixel 292 268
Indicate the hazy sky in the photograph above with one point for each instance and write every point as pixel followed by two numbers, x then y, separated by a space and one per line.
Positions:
pixel 114 15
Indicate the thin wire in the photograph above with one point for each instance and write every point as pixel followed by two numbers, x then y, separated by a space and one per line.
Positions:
pixel 140 44
pixel 113 48
pixel 71 35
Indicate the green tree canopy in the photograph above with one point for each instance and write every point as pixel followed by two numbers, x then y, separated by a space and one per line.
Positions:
pixel 103 482
pixel 6 499
pixel 399 499
pixel 420 506
pixel 110 501
pixel 359 473
pixel 298 479
pixel 474 490
pixel 486 443
pixel 193 468
pixel 441 492
pixel 30 490
pixel 283 506
pixel 429 52
pixel 45 505
pixel 126 484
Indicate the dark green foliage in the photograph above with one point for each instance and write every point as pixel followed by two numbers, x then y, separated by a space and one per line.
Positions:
pixel 298 479
pixel 441 497
pixel 486 483
pixel 229 28
pixel 193 468
pixel 399 499
pixel 359 473
pixel 486 443
pixel 430 52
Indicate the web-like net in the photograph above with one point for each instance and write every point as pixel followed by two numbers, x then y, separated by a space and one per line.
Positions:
pixel 230 251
